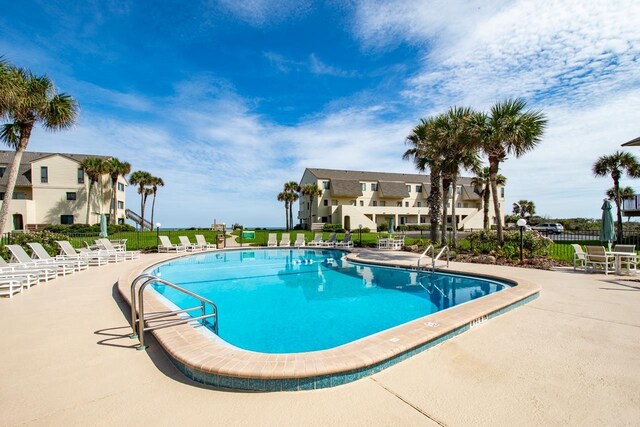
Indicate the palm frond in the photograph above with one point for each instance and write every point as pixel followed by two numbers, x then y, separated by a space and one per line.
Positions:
pixel 10 134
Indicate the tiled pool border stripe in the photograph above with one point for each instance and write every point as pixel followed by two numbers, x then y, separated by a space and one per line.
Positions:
pixel 228 367
pixel 325 381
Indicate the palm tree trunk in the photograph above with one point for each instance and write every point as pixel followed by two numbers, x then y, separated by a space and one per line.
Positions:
pixel 153 209
pixel 616 185
pixel 493 176
pixel 446 185
pixel 434 205
pixel 310 210
pixel 286 215
pixel 143 201
pixel 25 133
pixel 454 221
pixel 112 208
pixel 485 205
pixel 89 192
pixel 291 215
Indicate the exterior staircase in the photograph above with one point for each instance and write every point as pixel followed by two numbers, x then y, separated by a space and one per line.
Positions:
pixel 143 224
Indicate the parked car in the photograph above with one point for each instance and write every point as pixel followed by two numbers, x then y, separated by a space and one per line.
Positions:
pixel 550 228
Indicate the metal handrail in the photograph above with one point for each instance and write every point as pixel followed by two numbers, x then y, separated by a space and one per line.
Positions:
pixel 138 318
pixel 430 247
pixel 437 257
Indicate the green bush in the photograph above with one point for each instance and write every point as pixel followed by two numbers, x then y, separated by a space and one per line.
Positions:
pixel 87 229
pixel 383 226
pixel 487 242
pixel 46 238
pixel 413 227
pixel 337 228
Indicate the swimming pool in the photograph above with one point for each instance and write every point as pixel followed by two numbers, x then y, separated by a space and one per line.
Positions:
pixel 302 300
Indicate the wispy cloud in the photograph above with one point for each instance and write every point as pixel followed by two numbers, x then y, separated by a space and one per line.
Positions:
pixel 261 13
pixel 312 64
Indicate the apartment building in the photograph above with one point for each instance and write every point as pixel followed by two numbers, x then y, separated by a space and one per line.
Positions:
pixel 353 198
pixel 52 188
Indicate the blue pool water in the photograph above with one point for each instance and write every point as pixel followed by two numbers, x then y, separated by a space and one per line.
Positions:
pixel 292 300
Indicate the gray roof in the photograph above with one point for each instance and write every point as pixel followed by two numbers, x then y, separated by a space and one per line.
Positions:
pixel 633 143
pixel 393 189
pixel 470 194
pixel 6 156
pixel 23 180
pixel 347 175
pixel 344 188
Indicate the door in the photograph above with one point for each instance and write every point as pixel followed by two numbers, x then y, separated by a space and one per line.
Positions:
pixel 17 222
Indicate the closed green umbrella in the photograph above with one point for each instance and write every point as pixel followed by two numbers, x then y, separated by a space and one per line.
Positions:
pixel 392 224
pixel 607 230
pixel 103 226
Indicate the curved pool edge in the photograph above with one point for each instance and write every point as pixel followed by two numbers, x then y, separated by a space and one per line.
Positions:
pixel 216 363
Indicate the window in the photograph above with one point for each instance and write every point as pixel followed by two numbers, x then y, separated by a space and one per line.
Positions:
pixel 326 185
pixel 325 202
pixel 120 220
pixel 80 176
pixel 44 174
pixel 399 204
pixel 352 202
pixel 374 186
pixel 465 205
pixel 458 190
pixel 458 205
pixel 71 196
pixel 383 203
pixel 406 204
pixel 361 202
pixel 120 204
pixel 418 188
pixel 19 195
pixel 120 186
pixel 502 192
pixel 419 204
pixel 1 196
pixel 334 203
pixel 375 203
pixel 363 186
pixel 408 189
pixel 3 169
pixel 324 219
pixel 66 219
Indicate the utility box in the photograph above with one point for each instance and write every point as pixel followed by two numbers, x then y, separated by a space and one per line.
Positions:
pixel 220 241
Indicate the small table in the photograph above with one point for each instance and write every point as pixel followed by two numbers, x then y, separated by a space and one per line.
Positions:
pixel 619 256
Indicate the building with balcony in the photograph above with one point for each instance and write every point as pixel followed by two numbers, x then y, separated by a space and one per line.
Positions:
pixel 52 188
pixel 353 198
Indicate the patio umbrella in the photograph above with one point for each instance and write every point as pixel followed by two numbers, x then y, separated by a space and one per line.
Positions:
pixel 607 231
pixel 103 226
pixel 391 224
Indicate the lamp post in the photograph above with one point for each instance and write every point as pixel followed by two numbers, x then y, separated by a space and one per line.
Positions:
pixel 521 223
pixel 360 235
pixel 158 233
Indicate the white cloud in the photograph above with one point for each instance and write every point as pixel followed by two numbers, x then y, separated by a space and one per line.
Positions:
pixel 261 13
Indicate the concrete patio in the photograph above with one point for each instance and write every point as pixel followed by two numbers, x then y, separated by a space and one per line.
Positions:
pixel 571 357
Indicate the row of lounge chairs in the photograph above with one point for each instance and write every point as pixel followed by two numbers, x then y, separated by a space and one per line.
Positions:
pixel 332 241
pixel 24 271
pixel 185 244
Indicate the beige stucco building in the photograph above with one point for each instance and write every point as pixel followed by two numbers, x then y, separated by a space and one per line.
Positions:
pixel 52 189
pixel 353 198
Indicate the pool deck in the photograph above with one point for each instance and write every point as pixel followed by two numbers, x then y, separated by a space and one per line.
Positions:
pixel 570 357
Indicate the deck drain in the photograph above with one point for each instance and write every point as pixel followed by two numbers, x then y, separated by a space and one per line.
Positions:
pixel 394 339
pixel 432 324
pixel 479 321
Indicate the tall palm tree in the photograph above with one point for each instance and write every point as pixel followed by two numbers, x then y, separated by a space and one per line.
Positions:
pixel 426 153
pixel 524 208
pixel 141 179
pixel 95 168
pixel 284 197
pixel 615 165
pixel 507 129
pixel 292 188
pixel 626 193
pixel 312 191
pixel 155 182
pixel 116 170
pixel 28 99
pixel 482 187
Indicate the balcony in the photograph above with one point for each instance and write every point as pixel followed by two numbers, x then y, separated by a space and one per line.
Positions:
pixel 631 207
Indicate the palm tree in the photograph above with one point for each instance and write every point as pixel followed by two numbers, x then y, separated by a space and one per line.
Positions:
pixel 507 129
pixel 284 197
pixel 141 179
pixel 426 153
pixel 482 187
pixel 95 168
pixel 292 188
pixel 28 99
pixel 615 165
pixel 312 191
pixel 524 208
pixel 116 170
pixel 155 182
pixel 626 193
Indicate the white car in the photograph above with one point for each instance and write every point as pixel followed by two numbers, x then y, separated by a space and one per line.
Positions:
pixel 550 228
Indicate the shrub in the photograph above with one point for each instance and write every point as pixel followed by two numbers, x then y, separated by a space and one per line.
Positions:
pixel 383 226
pixel 486 242
pixel 87 229
pixel 337 228
pixel 46 238
pixel 413 227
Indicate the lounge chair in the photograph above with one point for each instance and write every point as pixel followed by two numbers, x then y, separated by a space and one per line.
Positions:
pixel 579 257
pixel 285 240
pixel 273 241
pixel 346 242
pixel 597 257
pixel 44 273
pixel 331 241
pixel 166 245
pixel 395 243
pixel 92 258
pixel 20 255
pixel 630 262
pixel 317 240
pixel 202 242
pixel 299 240
pixel 383 242
pixel 191 247
pixel 108 246
pixel 41 253
pixel 10 286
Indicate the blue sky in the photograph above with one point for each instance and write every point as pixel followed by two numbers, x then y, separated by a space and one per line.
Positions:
pixel 227 100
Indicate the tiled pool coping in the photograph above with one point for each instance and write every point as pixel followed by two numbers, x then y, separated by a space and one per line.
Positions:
pixel 212 361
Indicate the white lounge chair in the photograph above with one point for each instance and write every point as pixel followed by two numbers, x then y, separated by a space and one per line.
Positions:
pixel 184 241
pixel 273 241
pixel 299 240
pixel 346 242
pixel 317 240
pixel 579 257
pixel 597 258
pixel 44 273
pixel 106 244
pixel 331 241
pixel 166 245
pixel 285 240
pixel 41 253
pixel 92 258
pixel 20 255
pixel 10 286
pixel 628 262
pixel 202 242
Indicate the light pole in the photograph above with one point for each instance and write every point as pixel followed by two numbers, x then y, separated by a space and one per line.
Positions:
pixel 158 233
pixel 360 235
pixel 521 223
